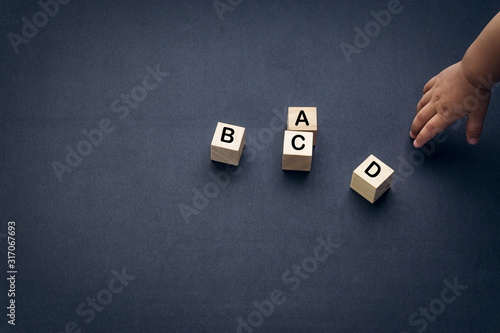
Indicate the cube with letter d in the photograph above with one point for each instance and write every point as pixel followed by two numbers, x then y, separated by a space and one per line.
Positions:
pixel 372 178
pixel 227 143
pixel 303 119
pixel 297 151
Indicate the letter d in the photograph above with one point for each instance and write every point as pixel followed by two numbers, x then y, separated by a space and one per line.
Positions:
pixel 72 159
pixel 361 40
pixel 200 202
pixel 383 17
pixel 405 168
pixel 28 30
pixel 51 7
pixel 373 164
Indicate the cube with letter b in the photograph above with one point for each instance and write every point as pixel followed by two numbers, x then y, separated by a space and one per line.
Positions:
pixel 372 178
pixel 297 151
pixel 303 119
pixel 227 144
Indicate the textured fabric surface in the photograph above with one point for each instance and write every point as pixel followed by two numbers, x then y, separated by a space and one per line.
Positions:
pixel 123 224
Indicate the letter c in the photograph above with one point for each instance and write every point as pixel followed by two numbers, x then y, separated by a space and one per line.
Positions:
pixel 293 142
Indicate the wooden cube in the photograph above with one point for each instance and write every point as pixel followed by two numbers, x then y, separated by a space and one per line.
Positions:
pixel 297 151
pixel 303 119
pixel 372 178
pixel 227 143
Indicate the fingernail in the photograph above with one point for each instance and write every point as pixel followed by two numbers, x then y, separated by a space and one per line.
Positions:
pixel 473 141
pixel 416 144
pixel 412 135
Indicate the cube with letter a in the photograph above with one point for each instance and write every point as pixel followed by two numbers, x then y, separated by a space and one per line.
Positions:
pixel 297 151
pixel 303 119
pixel 227 143
pixel 372 178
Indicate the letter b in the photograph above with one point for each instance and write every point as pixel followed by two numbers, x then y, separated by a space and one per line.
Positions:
pixel 225 133
pixel 266 307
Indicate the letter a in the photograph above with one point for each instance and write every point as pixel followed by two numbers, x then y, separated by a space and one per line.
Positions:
pixel 302 114
pixel 16 40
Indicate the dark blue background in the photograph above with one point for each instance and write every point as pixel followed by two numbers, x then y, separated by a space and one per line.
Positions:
pixel 120 206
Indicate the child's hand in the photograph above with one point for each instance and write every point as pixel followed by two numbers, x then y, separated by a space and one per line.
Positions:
pixel 450 96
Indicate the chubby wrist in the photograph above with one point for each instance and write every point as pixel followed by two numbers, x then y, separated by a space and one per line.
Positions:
pixel 472 71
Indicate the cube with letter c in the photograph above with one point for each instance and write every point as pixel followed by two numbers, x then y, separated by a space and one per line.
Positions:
pixel 372 178
pixel 227 143
pixel 297 151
